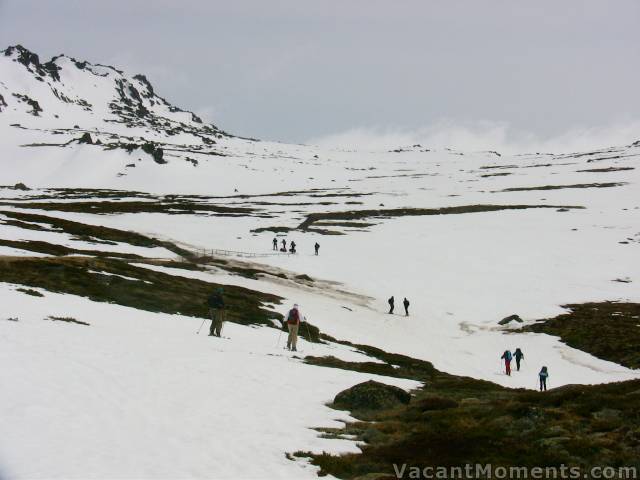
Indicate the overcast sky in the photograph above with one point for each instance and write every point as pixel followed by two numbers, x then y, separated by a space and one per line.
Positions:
pixel 301 71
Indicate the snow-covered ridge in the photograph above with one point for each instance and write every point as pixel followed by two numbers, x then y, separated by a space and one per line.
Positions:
pixel 64 93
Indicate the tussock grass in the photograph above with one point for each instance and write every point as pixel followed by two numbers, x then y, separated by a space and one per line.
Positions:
pixel 109 207
pixel 96 232
pixel 67 320
pixel 453 421
pixel 30 291
pixel 406 212
pixel 151 291
pixel 608 330
pixel 561 187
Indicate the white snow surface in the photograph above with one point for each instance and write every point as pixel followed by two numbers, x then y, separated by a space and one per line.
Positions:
pixel 113 398
pixel 140 395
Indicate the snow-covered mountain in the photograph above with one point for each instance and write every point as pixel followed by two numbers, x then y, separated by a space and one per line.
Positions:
pixel 65 93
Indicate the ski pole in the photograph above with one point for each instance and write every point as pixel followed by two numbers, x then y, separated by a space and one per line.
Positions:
pixel 279 337
pixel 308 333
pixel 198 332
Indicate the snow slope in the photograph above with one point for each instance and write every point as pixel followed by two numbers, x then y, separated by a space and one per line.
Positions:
pixel 140 395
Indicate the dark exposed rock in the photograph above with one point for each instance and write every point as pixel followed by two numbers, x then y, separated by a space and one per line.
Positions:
pixel 142 79
pixel 23 55
pixel 86 138
pixel 371 395
pixel 156 152
pixel 21 186
pixel 509 319
pixel 32 62
pixel 35 106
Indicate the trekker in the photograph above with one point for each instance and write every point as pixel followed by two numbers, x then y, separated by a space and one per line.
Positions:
pixel 317 247
pixel 217 312
pixel 519 356
pixel 391 301
pixel 293 247
pixel 284 245
pixel 544 373
pixel 293 323
pixel 405 302
pixel 507 361
pixel 275 243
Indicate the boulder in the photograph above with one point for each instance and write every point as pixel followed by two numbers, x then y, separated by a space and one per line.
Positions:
pixel 86 138
pixel 21 186
pixel 371 395
pixel 509 319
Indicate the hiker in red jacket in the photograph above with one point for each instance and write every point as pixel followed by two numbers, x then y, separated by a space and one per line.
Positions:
pixel 506 356
pixel 293 323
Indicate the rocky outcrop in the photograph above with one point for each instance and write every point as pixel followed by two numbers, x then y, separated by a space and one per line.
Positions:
pixel 509 319
pixel 371 395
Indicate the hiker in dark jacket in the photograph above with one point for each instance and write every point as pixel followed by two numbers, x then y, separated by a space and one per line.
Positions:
pixel 405 302
pixel 275 243
pixel 284 245
pixel 506 356
pixel 293 247
pixel 519 356
pixel 391 302
pixel 544 373
pixel 293 323
pixel 217 312
pixel 317 247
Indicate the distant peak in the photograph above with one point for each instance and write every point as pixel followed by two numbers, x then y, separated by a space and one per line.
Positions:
pixel 22 54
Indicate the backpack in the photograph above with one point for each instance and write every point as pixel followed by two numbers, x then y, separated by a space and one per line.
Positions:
pixel 215 301
pixel 293 317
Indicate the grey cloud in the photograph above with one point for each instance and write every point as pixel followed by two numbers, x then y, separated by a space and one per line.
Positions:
pixel 293 71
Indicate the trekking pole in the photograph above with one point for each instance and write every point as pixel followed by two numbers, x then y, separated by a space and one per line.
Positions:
pixel 308 333
pixel 279 337
pixel 198 332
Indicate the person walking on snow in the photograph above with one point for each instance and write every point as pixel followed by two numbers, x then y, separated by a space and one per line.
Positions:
pixel 275 243
pixel 391 302
pixel 284 245
pixel 519 356
pixel 293 247
pixel 544 373
pixel 405 302
pixel 293 324
pixel 217 312
pixel 317 247
pixel 506 356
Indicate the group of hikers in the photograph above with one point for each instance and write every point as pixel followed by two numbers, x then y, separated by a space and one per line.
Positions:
pixel 292 246
pixel 405 303
pixel 218 315
pixel 507 356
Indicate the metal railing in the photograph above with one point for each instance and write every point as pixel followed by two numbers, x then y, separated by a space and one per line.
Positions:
pixel 234 253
